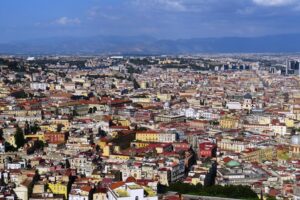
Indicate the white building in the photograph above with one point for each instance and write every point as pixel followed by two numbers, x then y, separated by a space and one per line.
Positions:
pixel 130 191
pixel 234 105
pixel 38 86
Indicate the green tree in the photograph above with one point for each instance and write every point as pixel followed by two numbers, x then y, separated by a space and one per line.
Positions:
pixel 39 144
pixel 271 198
pixel 19 94
pixel 59 127
pixel 1 134
pixel 228 191
pixel 19 138
pixel 9 147
pixel 136 84
pixel 35 128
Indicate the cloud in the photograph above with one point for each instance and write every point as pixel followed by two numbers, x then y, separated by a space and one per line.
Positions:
pixel 67 21
pixel 246 11
pixel 93 12
pixel 274 2
pixel 96 12
pixel 170 5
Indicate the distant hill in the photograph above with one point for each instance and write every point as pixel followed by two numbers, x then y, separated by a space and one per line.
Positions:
pixel 148 45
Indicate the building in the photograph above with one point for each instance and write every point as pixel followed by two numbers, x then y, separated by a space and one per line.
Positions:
pixel 247 104
pixel 207 150
pixel 169 118
pixel 59 188
pixel 259 154
pixel 229 122
pixel 130 191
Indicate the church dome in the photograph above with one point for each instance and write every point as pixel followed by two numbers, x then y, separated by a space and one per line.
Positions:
pixel 248 96
pixel 233 163
pixel 295 140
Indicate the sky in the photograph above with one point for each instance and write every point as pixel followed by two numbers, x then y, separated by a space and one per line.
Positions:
pixel 22 20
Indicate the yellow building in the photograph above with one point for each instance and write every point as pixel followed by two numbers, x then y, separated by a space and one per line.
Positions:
pixel 106 150
pixel 259 155
pixel 147 136
pixel 48 127
pixel 144 84
pixel 11 140
pixel 102 144
pixel 289 122
pixel 59 188
pixel 64 122
pixel 264 120
pixel 164 97
pixel 119 157
pixel 52 86
pixel 4 91
pixel 122 122
pixel 229 123
pixel 195 181
pixel 139 144
pixel 35 136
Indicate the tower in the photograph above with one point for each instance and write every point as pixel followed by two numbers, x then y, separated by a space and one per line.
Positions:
pixel 247 104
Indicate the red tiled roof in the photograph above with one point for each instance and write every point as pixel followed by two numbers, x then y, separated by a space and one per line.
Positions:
pixel 116 185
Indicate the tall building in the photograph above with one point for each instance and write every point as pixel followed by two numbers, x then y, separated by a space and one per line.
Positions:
pixel 292 67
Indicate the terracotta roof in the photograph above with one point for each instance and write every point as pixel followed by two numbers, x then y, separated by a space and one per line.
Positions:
pixel 116 185
pixel 130 179
pixel 86 188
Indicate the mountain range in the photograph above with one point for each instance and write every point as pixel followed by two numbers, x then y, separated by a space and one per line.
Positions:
pixel 288 43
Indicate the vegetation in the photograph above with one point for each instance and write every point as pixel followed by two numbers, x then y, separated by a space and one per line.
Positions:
pixel 228 191
pixel 9 147
pixel 1 134
pixel 271 198
pixel 20 94
pixel 132 70
pixel 19 138
pixel 39 144
pixel 136 84
pixel 143 61
pixel 59 127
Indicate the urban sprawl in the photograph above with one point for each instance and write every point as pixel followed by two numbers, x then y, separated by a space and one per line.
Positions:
pixel 150 127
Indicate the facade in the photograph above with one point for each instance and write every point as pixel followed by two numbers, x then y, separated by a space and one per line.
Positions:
pixel 207 150
pixel 228 123
pixel 130 191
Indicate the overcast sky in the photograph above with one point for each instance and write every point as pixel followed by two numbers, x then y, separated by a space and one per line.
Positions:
pixel 169 19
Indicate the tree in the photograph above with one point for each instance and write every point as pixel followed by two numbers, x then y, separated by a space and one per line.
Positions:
pixel 97 148
pixel 101 132
pixel 94 109
pixel 271 198
pixel 35 128
pixel 75 113
pixel 228 191
pixel 39 144
pixel 136 84
pixel 19 94
pixel 19 138
pixel 27 128
pixel 59 127
pixel 9 147
pixel 1 134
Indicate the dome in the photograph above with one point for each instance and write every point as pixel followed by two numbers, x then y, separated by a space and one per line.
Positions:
pixel 233 163
pixel 295 140
pixel 247 96
pixel 130 179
